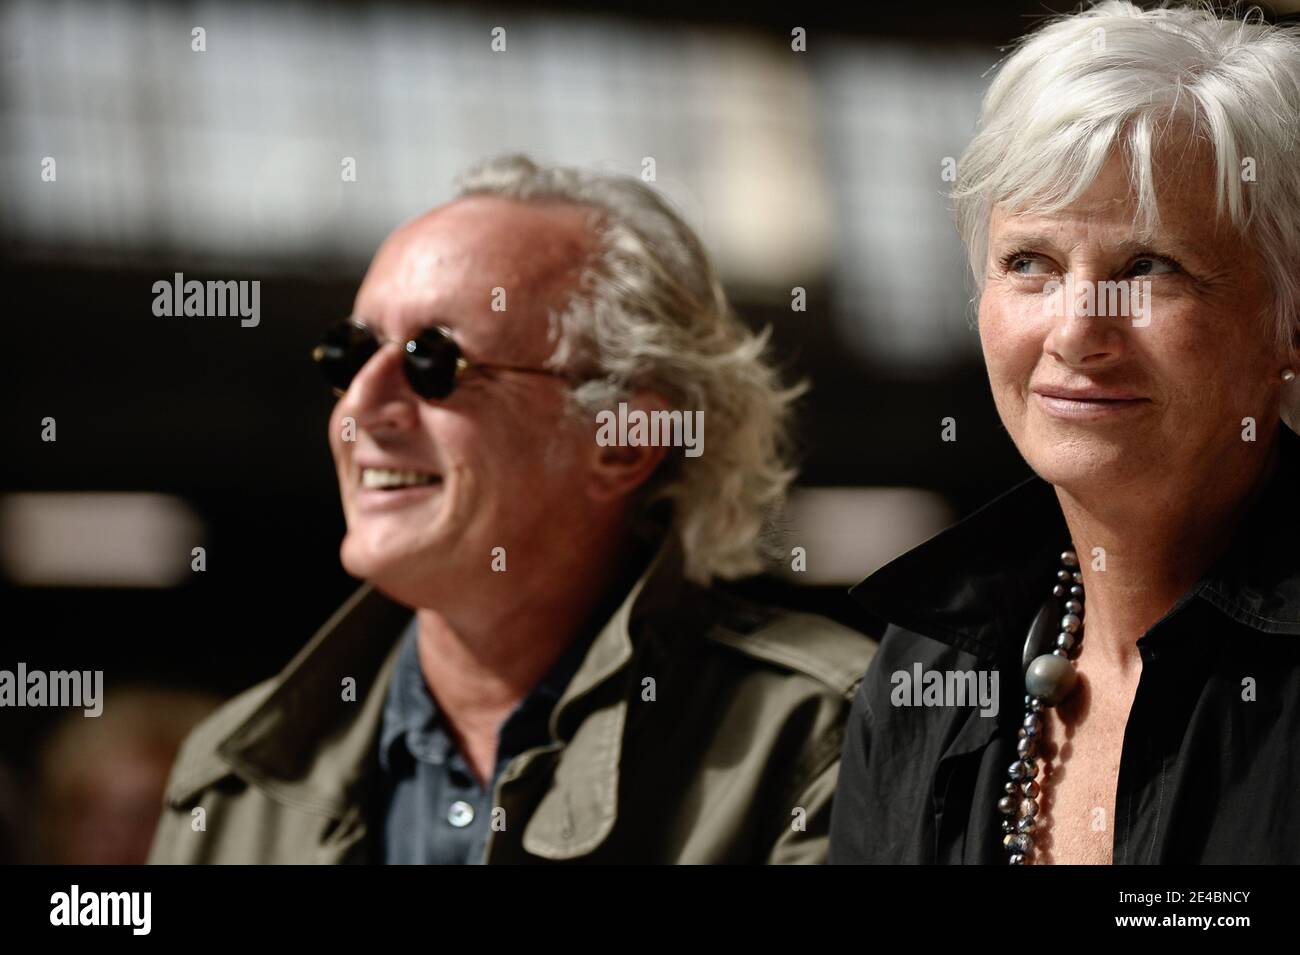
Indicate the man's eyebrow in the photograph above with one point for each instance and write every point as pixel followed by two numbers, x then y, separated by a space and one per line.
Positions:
pixel 411 328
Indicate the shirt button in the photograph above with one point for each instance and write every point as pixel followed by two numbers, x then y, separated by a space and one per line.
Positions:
pixel 461 814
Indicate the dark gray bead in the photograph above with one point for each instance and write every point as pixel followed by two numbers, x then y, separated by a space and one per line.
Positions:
pixel 1028 808
pixel 1058 590
pixel 1027 747
pixel 1071 623
pixel 1065 640
pixel 1070 559
pixel 1038 640
pixel 1063 576
pixel 1017 858
pixel 1018 770
pixel 1019 842
pixel 1051 678
pixel 1025 824
pixel 1029 788
pixel 1077 577
pixel 1076 591
pixel 1074 606
pixel 1031 724
pixel 1006 805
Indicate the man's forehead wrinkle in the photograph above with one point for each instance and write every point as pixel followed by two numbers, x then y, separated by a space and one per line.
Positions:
pixel 444 267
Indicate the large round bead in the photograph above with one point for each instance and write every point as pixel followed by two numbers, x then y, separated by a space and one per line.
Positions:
pixel 1051 678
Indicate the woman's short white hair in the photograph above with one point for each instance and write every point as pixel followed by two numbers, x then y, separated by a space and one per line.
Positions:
pixel 1115 76
pixel 649 313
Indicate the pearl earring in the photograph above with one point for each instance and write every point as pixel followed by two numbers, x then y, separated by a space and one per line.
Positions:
pixel 1288 375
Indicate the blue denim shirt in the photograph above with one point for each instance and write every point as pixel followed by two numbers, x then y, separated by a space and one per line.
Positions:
pixel 434 809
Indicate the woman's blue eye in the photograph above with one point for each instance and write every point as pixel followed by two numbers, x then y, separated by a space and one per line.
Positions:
pixel 1023 264
pixel 1152 265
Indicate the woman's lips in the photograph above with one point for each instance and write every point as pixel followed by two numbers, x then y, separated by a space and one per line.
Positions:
pixel 1088 407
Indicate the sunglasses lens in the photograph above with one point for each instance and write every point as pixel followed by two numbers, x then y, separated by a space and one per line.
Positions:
pixel 343 352
pixel 431 364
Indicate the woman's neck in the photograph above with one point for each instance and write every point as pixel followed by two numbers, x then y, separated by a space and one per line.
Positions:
pixel 1141 547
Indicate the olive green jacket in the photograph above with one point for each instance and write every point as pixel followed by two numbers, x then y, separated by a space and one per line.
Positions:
pixel 699 728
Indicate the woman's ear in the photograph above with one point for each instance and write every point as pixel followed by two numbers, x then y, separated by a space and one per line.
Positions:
pixel 622 459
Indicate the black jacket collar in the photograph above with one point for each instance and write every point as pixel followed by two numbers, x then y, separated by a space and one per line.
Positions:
pixel 977 585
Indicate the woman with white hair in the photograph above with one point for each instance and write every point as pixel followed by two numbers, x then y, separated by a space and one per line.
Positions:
pixel 1131 205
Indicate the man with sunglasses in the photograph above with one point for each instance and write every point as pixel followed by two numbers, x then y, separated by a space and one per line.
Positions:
pixel 538 668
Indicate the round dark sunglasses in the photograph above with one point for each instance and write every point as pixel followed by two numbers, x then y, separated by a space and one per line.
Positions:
pixel 432 360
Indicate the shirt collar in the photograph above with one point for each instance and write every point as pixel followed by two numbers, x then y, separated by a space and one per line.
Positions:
pixel 411 711
pixel 977 585
pixel 1257 582
pixel 409 707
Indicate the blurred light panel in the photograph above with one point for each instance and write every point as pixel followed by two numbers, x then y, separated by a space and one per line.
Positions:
pixel 893 113
pixel 850 532
pixel 236 152
pixel 97 540
pixel 798 169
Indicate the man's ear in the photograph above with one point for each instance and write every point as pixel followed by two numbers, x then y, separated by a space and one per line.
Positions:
pixel 618 466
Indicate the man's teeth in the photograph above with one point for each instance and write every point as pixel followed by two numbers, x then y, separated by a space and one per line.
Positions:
pixel 385 478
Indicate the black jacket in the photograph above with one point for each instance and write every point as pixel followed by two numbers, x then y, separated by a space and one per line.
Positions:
pixel 1207 775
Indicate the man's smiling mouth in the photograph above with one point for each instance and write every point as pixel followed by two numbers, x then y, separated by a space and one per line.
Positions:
pixel 391 479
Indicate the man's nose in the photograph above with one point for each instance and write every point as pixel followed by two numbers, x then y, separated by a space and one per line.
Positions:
pixel 379 398
pixel 1083 335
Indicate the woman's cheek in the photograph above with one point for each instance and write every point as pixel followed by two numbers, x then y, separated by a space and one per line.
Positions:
pixel 1007 335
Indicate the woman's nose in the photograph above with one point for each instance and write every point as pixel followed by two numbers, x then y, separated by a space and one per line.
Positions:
pixel 1089 322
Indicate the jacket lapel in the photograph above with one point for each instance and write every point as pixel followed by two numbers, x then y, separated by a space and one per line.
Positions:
pixel 310 743
pixel 579 810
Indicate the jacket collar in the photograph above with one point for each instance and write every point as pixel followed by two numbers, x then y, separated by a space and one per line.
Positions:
pixel 310 744
pixel 977 585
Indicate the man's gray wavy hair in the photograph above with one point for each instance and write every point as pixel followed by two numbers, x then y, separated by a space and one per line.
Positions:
pixel 649 313
pixel 1115 76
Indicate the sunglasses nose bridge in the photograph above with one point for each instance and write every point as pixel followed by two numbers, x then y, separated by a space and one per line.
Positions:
pixel 381 371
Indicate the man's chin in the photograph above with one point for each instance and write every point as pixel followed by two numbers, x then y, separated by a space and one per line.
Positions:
pixel 386 563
